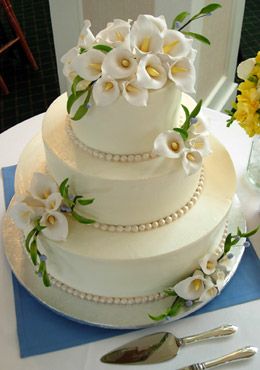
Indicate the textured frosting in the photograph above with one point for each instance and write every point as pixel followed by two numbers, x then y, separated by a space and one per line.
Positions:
pixel 131 193
pixel 122 128
pixel 132 264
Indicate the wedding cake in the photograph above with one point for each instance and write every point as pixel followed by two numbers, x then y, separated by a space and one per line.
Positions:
pixel 124 191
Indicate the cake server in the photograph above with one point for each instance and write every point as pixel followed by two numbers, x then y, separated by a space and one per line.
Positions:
pixel 159 347
pixel 240 354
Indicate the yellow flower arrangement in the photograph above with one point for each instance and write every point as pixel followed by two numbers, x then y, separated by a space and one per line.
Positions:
pixel 247 108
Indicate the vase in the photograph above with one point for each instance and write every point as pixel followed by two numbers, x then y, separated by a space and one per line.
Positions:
pixel 253 166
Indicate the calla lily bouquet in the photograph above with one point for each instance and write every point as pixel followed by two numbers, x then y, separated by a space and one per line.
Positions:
pixel 129 59
pixel 43 211
pixel 246 110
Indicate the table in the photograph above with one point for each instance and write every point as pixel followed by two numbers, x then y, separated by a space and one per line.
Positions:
pixel 86 357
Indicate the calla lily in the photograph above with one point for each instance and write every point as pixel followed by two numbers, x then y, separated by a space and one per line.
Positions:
pixel 150 72
pixel 201 144
pixel 56 226
pixel 116 33
pixel 198 128
pixel 89 65
pixel 219 277
pixel 182 72
pixel 191 288
pixel 169 144
pixel 42 186
pixel 208 263
pixel 86 37
pixel 134 94
pixel 227 262
pixel 176 45
pixel 22 215
pixel 159 22
pixel 67 59
pixel 53 202
pixel 119 63
pixel 145 36
pixel 244 68
pixel 105 91
pixel 191 161
pixel 210 290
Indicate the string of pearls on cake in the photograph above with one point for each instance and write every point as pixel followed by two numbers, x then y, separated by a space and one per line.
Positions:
pixel 125 300
pixel 160 222
pixel 110 157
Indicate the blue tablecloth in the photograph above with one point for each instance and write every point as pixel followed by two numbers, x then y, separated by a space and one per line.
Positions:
pixel 41 330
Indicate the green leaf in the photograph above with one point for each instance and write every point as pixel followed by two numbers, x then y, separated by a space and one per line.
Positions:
pixel 42 267
pixel 82 219
pixel 159 317
pixel 33 252
pixel 82 110
pixel 184 134
pixel 179 18
pixel 64 188
pixel 198 37
pixel 76 80
pixel 196 110
pixel 101 47
pixel 177 305
pixel 85 202
pixel 45 278
pixel 28 239
pixel 248 234
pixel 82 50
pixel 72 98
pixel 170 292
pixel 210 8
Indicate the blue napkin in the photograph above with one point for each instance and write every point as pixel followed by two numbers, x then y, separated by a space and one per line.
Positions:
pixel 41 330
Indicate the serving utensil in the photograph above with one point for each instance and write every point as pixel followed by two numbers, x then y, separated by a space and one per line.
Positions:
pixel 240 354
pixel 159 347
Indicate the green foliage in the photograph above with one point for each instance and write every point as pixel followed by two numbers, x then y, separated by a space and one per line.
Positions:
pixel 76 80
pixel 179 18
pixel 171 311
pixel 197 36
pixel 232 240
pixel 184 129
pixel 83 109
pixel 101 47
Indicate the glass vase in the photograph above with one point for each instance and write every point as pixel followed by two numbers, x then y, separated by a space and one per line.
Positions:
pixel 253 166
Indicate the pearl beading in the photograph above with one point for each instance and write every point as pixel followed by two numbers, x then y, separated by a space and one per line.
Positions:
pixel 124 300
pixel 110 157
pixel 160 222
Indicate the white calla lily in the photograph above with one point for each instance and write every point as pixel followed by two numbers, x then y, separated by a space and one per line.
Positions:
pixel 159 22
pixel 219 277
pixel 134 94
pixel 151 73
pixel 198 128
pixel 116 33
pixel 191 161
pixel 244 68
pixel 201 144
pixel 119 63
pixel 145 36
pixel 210 290
pixel 169 144
pixel 53 202
pixel 56 226
pixel 190 288
pixel 67 59
pixel 22 215
pixel 208 263
pixel 176 45
pixel 227 262
pixel 182 72
pixel 89 65
pixel 42 186
pixel 105 91
pixel 86 37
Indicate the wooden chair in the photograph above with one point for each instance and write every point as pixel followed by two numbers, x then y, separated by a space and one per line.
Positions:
pixel 20 37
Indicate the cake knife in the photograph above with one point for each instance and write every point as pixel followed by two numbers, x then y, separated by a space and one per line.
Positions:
pixel 240 354
pixel 159 347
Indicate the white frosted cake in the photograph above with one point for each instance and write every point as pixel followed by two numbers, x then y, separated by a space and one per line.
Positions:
pixel 152 181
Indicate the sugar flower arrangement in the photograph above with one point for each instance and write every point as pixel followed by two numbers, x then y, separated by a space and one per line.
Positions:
pixel 247 108
pixel 44 211
pixel 130 59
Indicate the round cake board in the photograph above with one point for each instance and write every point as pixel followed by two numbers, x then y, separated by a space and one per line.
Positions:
pixel 105 315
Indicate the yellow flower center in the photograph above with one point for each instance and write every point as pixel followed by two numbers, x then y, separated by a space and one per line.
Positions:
pixel 145 45
pixel 51 219
pixel 198 144
pixel 119 36
pixel 175 146
pixel 210 265
pixel 46 194
pixel 197 284
pixel 152 71
pixel 125 63
pixel 96 66
pixel 176 69
pixel 108 86
pixel 168 47
pixel 131 88
pixel 191 157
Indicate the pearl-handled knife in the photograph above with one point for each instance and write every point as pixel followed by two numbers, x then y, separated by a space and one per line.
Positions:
pixel 240 354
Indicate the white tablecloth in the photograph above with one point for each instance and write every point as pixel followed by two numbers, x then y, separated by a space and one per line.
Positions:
pixel 86 357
